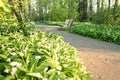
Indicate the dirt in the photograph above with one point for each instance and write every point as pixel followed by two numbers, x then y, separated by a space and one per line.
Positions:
pixel 101 58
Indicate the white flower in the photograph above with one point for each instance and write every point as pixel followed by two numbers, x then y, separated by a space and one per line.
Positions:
pixel 21 54
pixel 17 64
pixel 13 53
pixel 58 72
pixel 57 62
pixel 14 69
pixel 13 63
pixel 36 33
pixel 8 60
pixel 6 70
pixel 56 50
pixel 28 61
pixel 65 65
pixel 46 69
pixel 37 57
pixel 38 75
pixel 9 48
pixel 58 78
pixel 25 49
pixel 18 39
pixel 48 53
pixel 44 79
pixel 2 45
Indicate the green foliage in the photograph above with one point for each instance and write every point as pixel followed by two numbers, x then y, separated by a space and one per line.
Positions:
pixel 103 32
pixel 30 54
pixel 38 55
pixel 82 10
pixel 55 10
pixel 3 6
pixel 54 23
pixel 107 17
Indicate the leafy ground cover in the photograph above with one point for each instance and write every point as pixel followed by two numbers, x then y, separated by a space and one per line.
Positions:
pixel 54 23
pixel 33 55
pixel 103 32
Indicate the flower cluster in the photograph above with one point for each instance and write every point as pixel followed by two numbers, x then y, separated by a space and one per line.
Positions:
pixel 15 64
pixel 14 69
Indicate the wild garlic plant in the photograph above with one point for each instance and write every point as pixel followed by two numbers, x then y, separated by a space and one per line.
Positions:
pixel 39 56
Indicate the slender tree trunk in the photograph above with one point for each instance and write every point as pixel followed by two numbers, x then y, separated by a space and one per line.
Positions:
pixel 86 10
pixel 98 5
pixel 20 13
pixel 83 10
pixel 109 3
pixel 102 5
pixel 14 11
pixel 30 10
pixel 115 9
pixel 116 2
pixel 69 12
pixel 90 10
pixel 87 5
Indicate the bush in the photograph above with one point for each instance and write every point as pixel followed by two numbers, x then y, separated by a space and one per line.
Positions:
pixel 38 55
pixel 103 32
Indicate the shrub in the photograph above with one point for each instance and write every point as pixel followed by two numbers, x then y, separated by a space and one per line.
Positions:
pixel 39 55
pixel 103 32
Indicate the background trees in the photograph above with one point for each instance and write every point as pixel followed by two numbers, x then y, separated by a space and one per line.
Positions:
pixel 96 11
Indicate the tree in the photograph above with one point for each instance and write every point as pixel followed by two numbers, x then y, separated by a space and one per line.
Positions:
pixel 18 9
pixel 98 5
pixel 115 14
pixel 83 10
pixel 109 3
pixel 90 9
pixel 102 5
pixel 30 9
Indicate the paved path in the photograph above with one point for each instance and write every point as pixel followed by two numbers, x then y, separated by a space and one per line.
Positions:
pixel 101 58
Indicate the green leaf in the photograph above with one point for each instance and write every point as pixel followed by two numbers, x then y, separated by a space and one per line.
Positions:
pixel 9 78
pixel 3 6
pixel 23 69
pixel 1 3
pixel 3 56
pixel 2 77
pixel 38 75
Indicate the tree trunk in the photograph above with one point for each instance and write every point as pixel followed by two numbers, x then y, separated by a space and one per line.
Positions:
pixel 18 12
pixel 115 9
pixel 98 5
pixel 102 5
pixel 83 10
pixel 90 10
pixel 30 10
pixel 109 3
pixel 11 2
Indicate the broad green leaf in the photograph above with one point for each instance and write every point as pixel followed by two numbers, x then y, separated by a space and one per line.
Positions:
pixel 23 69
pixel 1 3
pixel 2 77
pixel 38 75
pixel 3 56
pixel 9 78
pixel 3 6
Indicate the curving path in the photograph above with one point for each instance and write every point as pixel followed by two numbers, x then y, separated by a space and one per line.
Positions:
pixel 101 58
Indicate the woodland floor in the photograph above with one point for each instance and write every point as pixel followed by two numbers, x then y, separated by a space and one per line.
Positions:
pixel 101 58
